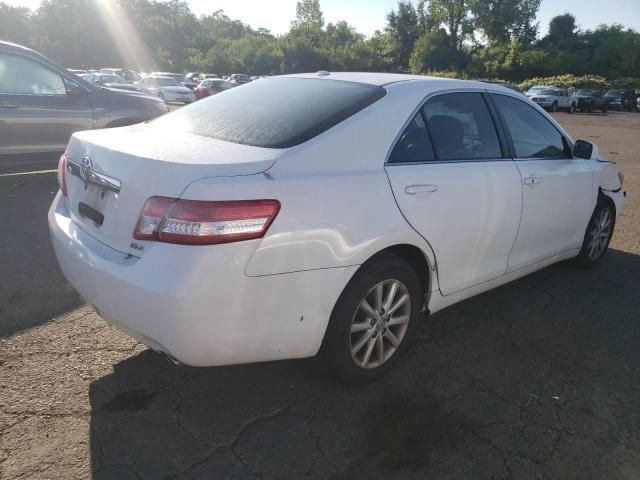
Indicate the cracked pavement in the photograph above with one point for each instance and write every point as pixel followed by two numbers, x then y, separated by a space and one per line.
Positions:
pixel 535 380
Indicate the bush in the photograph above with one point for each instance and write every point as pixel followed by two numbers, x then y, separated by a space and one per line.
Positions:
pixel 568 81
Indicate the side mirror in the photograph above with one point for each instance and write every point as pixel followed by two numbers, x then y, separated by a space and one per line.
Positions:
pixel 585 150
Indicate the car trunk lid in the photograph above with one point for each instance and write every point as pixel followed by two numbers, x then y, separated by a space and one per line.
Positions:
pixel 112 173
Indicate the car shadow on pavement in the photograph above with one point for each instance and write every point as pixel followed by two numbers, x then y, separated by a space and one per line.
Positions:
pixel 536 379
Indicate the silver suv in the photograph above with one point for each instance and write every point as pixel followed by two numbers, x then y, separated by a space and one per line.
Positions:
pixel 42 103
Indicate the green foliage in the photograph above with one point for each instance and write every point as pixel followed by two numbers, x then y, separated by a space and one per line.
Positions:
pixel 15 24
pixel 433 52
pixel 402 32
pixel 462 38
pixel 502 21
pixel 568 81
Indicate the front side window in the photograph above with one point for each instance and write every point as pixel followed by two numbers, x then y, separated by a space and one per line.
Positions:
pixel 461 127
pixel 21 76
pixel 533 136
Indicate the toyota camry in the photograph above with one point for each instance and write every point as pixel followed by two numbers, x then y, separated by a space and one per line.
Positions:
pixel 325 212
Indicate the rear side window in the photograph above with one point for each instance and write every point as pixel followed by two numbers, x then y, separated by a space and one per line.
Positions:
pixel 273 113
pixel 532 135
pixel 414 145
pixel 461 127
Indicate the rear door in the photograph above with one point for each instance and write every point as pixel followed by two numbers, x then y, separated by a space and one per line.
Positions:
pixel 455 186
pixel 36 111
pixel 556 188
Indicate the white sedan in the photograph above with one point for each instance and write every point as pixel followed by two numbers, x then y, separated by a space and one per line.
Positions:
pixel 167 88
pixel 323 211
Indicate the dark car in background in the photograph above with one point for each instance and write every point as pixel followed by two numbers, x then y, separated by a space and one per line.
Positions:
pixel 42 103
pixel 110 81
pixel 239 78
pixel 620 99
pixel 590 99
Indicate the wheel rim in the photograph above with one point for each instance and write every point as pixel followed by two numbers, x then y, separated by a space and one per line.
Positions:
pixel 380 324
pixel 599 234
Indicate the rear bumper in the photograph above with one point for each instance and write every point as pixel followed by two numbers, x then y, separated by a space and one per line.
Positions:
pixel 195 303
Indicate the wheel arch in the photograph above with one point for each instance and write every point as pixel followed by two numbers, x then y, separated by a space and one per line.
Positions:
pixel 416 258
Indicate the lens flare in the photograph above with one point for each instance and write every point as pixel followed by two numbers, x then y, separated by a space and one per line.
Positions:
pixel 124 35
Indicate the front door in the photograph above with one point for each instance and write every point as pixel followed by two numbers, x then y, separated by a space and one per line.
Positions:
pixel 454 186
pixel 556 189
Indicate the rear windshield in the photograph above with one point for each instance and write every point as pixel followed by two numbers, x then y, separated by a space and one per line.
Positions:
pixel 273 113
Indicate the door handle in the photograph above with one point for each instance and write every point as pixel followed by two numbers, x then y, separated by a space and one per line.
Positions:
pixel 532 180
pixel 418 189
pixel 9 105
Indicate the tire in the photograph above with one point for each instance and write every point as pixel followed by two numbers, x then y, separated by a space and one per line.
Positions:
pixel 591 254
pixel 572 107
pixel 554 107
pixel 353 339
pixel 604 109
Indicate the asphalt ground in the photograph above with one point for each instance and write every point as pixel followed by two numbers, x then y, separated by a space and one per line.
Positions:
pixel 537 379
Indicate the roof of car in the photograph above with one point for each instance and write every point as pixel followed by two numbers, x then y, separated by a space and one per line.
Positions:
pixel 371 78
pixel 382 79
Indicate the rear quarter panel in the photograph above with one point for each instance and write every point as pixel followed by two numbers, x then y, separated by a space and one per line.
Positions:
pixel 337 205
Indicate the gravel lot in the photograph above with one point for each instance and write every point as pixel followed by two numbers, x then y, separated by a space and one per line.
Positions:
pixel 535 380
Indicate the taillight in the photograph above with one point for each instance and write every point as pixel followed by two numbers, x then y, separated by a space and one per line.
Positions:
pixel 62 173
pixel 193 222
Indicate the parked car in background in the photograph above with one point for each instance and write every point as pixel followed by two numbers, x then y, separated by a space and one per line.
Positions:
pixel 228 231
pixel 590 99
pixel 130 75
pixel 77 72
pixel 638 104
pixel 204 76
pixel 180 77
pixel 212 86
pixel 42 103
pixel 239 78
pixel 193 77
pixel 620 99
pixel 167 88
pixel 111 81
pixel 553 98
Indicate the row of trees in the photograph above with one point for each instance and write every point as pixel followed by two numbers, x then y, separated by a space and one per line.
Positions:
pixel 472 38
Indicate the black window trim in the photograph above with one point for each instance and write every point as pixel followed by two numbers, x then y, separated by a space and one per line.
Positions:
pixel 502 139
pixel 512 151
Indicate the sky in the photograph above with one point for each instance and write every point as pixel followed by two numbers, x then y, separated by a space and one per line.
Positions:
pixel 369 15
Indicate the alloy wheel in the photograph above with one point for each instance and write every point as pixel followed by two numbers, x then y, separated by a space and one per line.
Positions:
pixel 599 234
pixel 379 324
